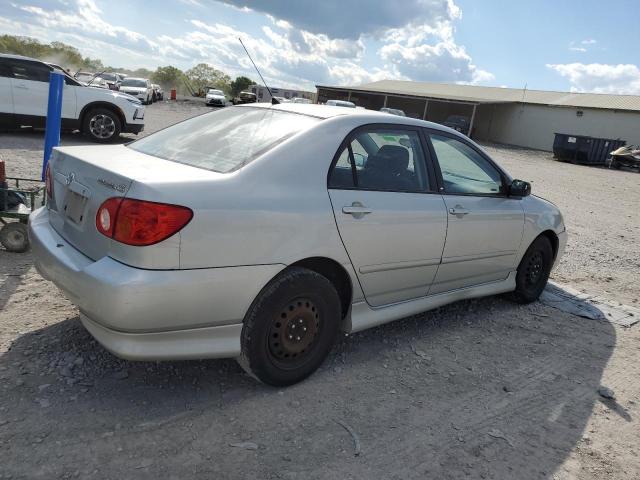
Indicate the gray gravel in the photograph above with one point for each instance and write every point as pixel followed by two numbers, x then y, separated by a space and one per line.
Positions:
pixel 478 389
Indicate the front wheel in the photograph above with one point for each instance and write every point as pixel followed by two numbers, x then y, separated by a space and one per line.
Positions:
pixel 290 327
pixel 533 271
pixel 102 125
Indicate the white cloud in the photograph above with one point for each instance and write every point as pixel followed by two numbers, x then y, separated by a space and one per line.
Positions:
pixel 600 78
pixel 589 41
pixel 577 49
pixel 301 43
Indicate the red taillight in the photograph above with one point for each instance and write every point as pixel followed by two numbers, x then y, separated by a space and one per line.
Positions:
pixel 48 184
pixel 138 222
pixel 106 216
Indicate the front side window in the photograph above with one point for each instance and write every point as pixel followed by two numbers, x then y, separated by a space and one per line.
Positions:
pixel 465 171
pixel 381 159
pixel 225 140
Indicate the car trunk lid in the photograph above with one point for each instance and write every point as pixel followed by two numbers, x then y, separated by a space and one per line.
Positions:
pixel 84 177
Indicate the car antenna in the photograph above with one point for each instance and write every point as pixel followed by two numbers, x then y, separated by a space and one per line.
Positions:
pixel 274 100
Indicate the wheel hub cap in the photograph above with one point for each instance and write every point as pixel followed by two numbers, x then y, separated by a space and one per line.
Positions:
pixel 534 268
pixel 294 329
pixel 102 126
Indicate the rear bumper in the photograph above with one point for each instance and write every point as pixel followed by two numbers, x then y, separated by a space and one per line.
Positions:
pixel 195 343
pixel 150 314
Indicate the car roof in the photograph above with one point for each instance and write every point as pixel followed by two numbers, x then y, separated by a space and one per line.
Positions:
pixel 19 57
pixel 136 78
pixel 360 115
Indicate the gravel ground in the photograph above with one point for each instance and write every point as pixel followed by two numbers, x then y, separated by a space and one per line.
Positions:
pixel 478 389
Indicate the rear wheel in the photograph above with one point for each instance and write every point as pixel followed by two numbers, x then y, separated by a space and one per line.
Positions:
pixel 290 327
pixel 102 125
pixel 533 271
pixel 14 237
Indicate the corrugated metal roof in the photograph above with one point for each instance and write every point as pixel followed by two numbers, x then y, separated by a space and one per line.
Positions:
pixel 477 94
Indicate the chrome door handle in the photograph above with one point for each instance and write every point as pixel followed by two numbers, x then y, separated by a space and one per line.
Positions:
pixel 458 210
pixel 356 209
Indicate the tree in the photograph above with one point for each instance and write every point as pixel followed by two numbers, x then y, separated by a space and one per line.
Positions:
pixel 168 77
pixel 239 84
pixel 204 75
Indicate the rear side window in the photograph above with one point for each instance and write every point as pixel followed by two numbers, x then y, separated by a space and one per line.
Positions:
pixel 384 159
pixel 36 72
pixel 225 140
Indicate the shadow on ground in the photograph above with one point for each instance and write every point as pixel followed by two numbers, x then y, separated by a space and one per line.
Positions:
pixel 483 388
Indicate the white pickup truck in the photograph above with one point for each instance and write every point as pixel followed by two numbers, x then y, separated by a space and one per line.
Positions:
pixel 99 113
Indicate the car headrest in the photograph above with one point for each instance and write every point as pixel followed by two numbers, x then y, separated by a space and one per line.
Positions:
pixel 391 158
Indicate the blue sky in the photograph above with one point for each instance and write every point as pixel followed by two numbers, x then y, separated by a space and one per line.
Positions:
pixel 575 45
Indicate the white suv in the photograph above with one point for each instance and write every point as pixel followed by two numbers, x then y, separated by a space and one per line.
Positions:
pixel 99 113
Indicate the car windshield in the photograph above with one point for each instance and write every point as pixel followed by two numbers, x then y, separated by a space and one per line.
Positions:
pixel 132 82
pixel 84 76
pixel 215 92
pixel 108 76
pixel 225 140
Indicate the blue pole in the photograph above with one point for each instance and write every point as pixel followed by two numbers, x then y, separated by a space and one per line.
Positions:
pixel 54 117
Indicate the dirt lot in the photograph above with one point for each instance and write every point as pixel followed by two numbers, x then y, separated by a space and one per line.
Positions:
pixel 479 389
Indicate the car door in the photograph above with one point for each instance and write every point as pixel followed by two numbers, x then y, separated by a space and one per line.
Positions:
pixel 485 226
pixel 389 214
pixel 30 87
pixel 6 97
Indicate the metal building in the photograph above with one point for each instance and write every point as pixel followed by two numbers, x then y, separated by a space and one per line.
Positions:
pixel 527 118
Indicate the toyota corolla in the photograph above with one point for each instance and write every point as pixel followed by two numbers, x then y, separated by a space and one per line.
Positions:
pixel 259 232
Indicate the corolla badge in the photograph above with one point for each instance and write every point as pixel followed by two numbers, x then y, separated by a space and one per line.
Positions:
pixel 70 178
pixel 117 187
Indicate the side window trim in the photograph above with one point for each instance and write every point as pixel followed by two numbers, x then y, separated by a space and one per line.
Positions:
pixel 431 180
pixel 503 175
pixel 352 161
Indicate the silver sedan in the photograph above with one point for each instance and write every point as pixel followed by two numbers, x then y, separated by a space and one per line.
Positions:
pixel 261 231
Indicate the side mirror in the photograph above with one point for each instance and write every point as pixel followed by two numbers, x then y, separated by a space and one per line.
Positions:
pixel 519 188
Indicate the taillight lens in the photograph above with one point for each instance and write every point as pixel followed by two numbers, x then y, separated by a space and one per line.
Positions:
pixel 48 183
pixel 106 216
pixel 140 223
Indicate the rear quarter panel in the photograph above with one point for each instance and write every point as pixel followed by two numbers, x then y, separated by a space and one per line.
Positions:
pixel 274 210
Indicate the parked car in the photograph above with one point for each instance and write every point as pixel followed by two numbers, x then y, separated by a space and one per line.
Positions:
pixel 91 80
pixel 215 98
pixel 341 103
pixel 393 111
pixel 300 100
pixel 100 114
pixel 158 93
pixel 460 123
pixel 244 97
pixel 113 80
pixel 282 99
pixel 139 88
pixel 168 257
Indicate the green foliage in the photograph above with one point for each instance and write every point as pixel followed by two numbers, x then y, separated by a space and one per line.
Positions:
pixel 198 78
pixel 55 52
pixel 240 84
pixel 204 76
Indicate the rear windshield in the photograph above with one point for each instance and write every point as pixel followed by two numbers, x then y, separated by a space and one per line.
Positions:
pixel 224 140
pixel 133 83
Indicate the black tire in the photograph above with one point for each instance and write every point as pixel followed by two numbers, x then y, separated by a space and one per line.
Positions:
pixel 297 300
pixel 533 271
pixel 614 164
pixel 110 122
pixel 153 98
pixel 14 237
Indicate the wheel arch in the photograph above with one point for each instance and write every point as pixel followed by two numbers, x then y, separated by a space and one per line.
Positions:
pixel 335 273
pixel 553 238
pixel 100 104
